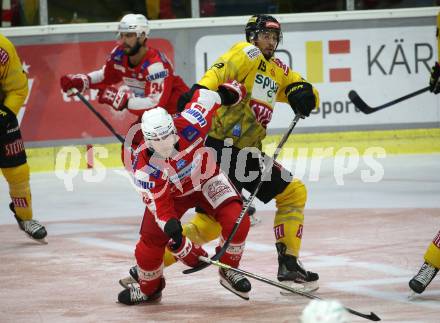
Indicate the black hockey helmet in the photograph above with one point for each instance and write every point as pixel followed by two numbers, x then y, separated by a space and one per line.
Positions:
pixel 258 23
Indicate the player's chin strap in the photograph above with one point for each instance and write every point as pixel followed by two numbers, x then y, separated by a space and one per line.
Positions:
pixel 266 171
pixel 372 316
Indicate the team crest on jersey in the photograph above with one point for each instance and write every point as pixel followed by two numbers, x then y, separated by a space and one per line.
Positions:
pixel 252 51
pixel 195 115
pixel 190 133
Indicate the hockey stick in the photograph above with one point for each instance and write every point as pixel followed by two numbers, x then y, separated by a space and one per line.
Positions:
pixel 100 117
pixel 372 316
pixel 365 108
pixel 266 171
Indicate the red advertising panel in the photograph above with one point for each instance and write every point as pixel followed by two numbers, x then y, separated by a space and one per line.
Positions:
pixel 48 113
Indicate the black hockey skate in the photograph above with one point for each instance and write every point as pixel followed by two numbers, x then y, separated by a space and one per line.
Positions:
pixel 133 295
pixel 291 270
pixel 130 280
pixel 425 275
pixel 235 282
pixel 34 229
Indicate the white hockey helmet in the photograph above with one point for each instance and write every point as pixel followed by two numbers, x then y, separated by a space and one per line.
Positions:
pixel 134 23
pixel 324 311
pixel 159 131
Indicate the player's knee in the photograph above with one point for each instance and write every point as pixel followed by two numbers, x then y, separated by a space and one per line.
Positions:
pixel 147 257
pixel 202 228
pixel 293 196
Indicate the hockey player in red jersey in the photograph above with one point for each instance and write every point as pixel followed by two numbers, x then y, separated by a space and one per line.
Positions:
pixel 146 73
pixel 174 172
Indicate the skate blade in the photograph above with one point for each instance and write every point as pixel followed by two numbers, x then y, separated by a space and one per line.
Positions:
pixel 40 241
pixel 226 285
pixel 305 287
pixel 127 282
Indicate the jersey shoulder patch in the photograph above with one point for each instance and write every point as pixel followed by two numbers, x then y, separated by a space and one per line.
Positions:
pixel 117 55
pixel 190 133
pixel 251 51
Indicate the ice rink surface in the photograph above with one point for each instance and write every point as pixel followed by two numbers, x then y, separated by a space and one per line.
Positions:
pixel 365 239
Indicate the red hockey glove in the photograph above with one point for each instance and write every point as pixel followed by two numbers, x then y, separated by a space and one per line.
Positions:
pixel 187 252
pixel 116 98
pixel 81 82
pixel 434 81
pixel 231 92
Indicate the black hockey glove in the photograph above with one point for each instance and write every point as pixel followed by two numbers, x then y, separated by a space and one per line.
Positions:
pixel 173 228
pixel 434 81
pixel 301 98
pixel 187 96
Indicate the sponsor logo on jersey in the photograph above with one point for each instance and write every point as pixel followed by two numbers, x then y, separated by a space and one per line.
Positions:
pixel 190 133
pixel 186 171
pixel 158 75
pixel 144 184
pixel 252 52
pixel 195 116
pixel 265 89
pixel 436 240
pixel 180 164
pixel 262 112
pixel 4 56
pixel 279 231
pixel 20 202
pixel 14 148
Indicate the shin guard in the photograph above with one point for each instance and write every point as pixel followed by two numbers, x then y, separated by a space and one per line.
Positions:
pixel 289 218
pixel 19 190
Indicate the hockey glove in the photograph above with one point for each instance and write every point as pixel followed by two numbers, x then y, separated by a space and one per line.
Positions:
pixel 81 82
pixel 116 98
pixel 231 92
pixel 187 96
pixel 301 98
pixel 181 247
pixel 187 252
pixel 434 81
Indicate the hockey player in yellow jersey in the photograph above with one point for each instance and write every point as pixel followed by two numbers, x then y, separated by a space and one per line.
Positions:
pixel 267 80
pixel 431 265
pixel 13 164
pixel 241 129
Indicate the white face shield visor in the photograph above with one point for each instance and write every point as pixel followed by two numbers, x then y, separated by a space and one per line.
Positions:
pixel 164 145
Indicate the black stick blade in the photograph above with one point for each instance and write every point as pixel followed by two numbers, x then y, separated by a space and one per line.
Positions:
pixel 196 269
pixel 359 103
pixel 374 317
